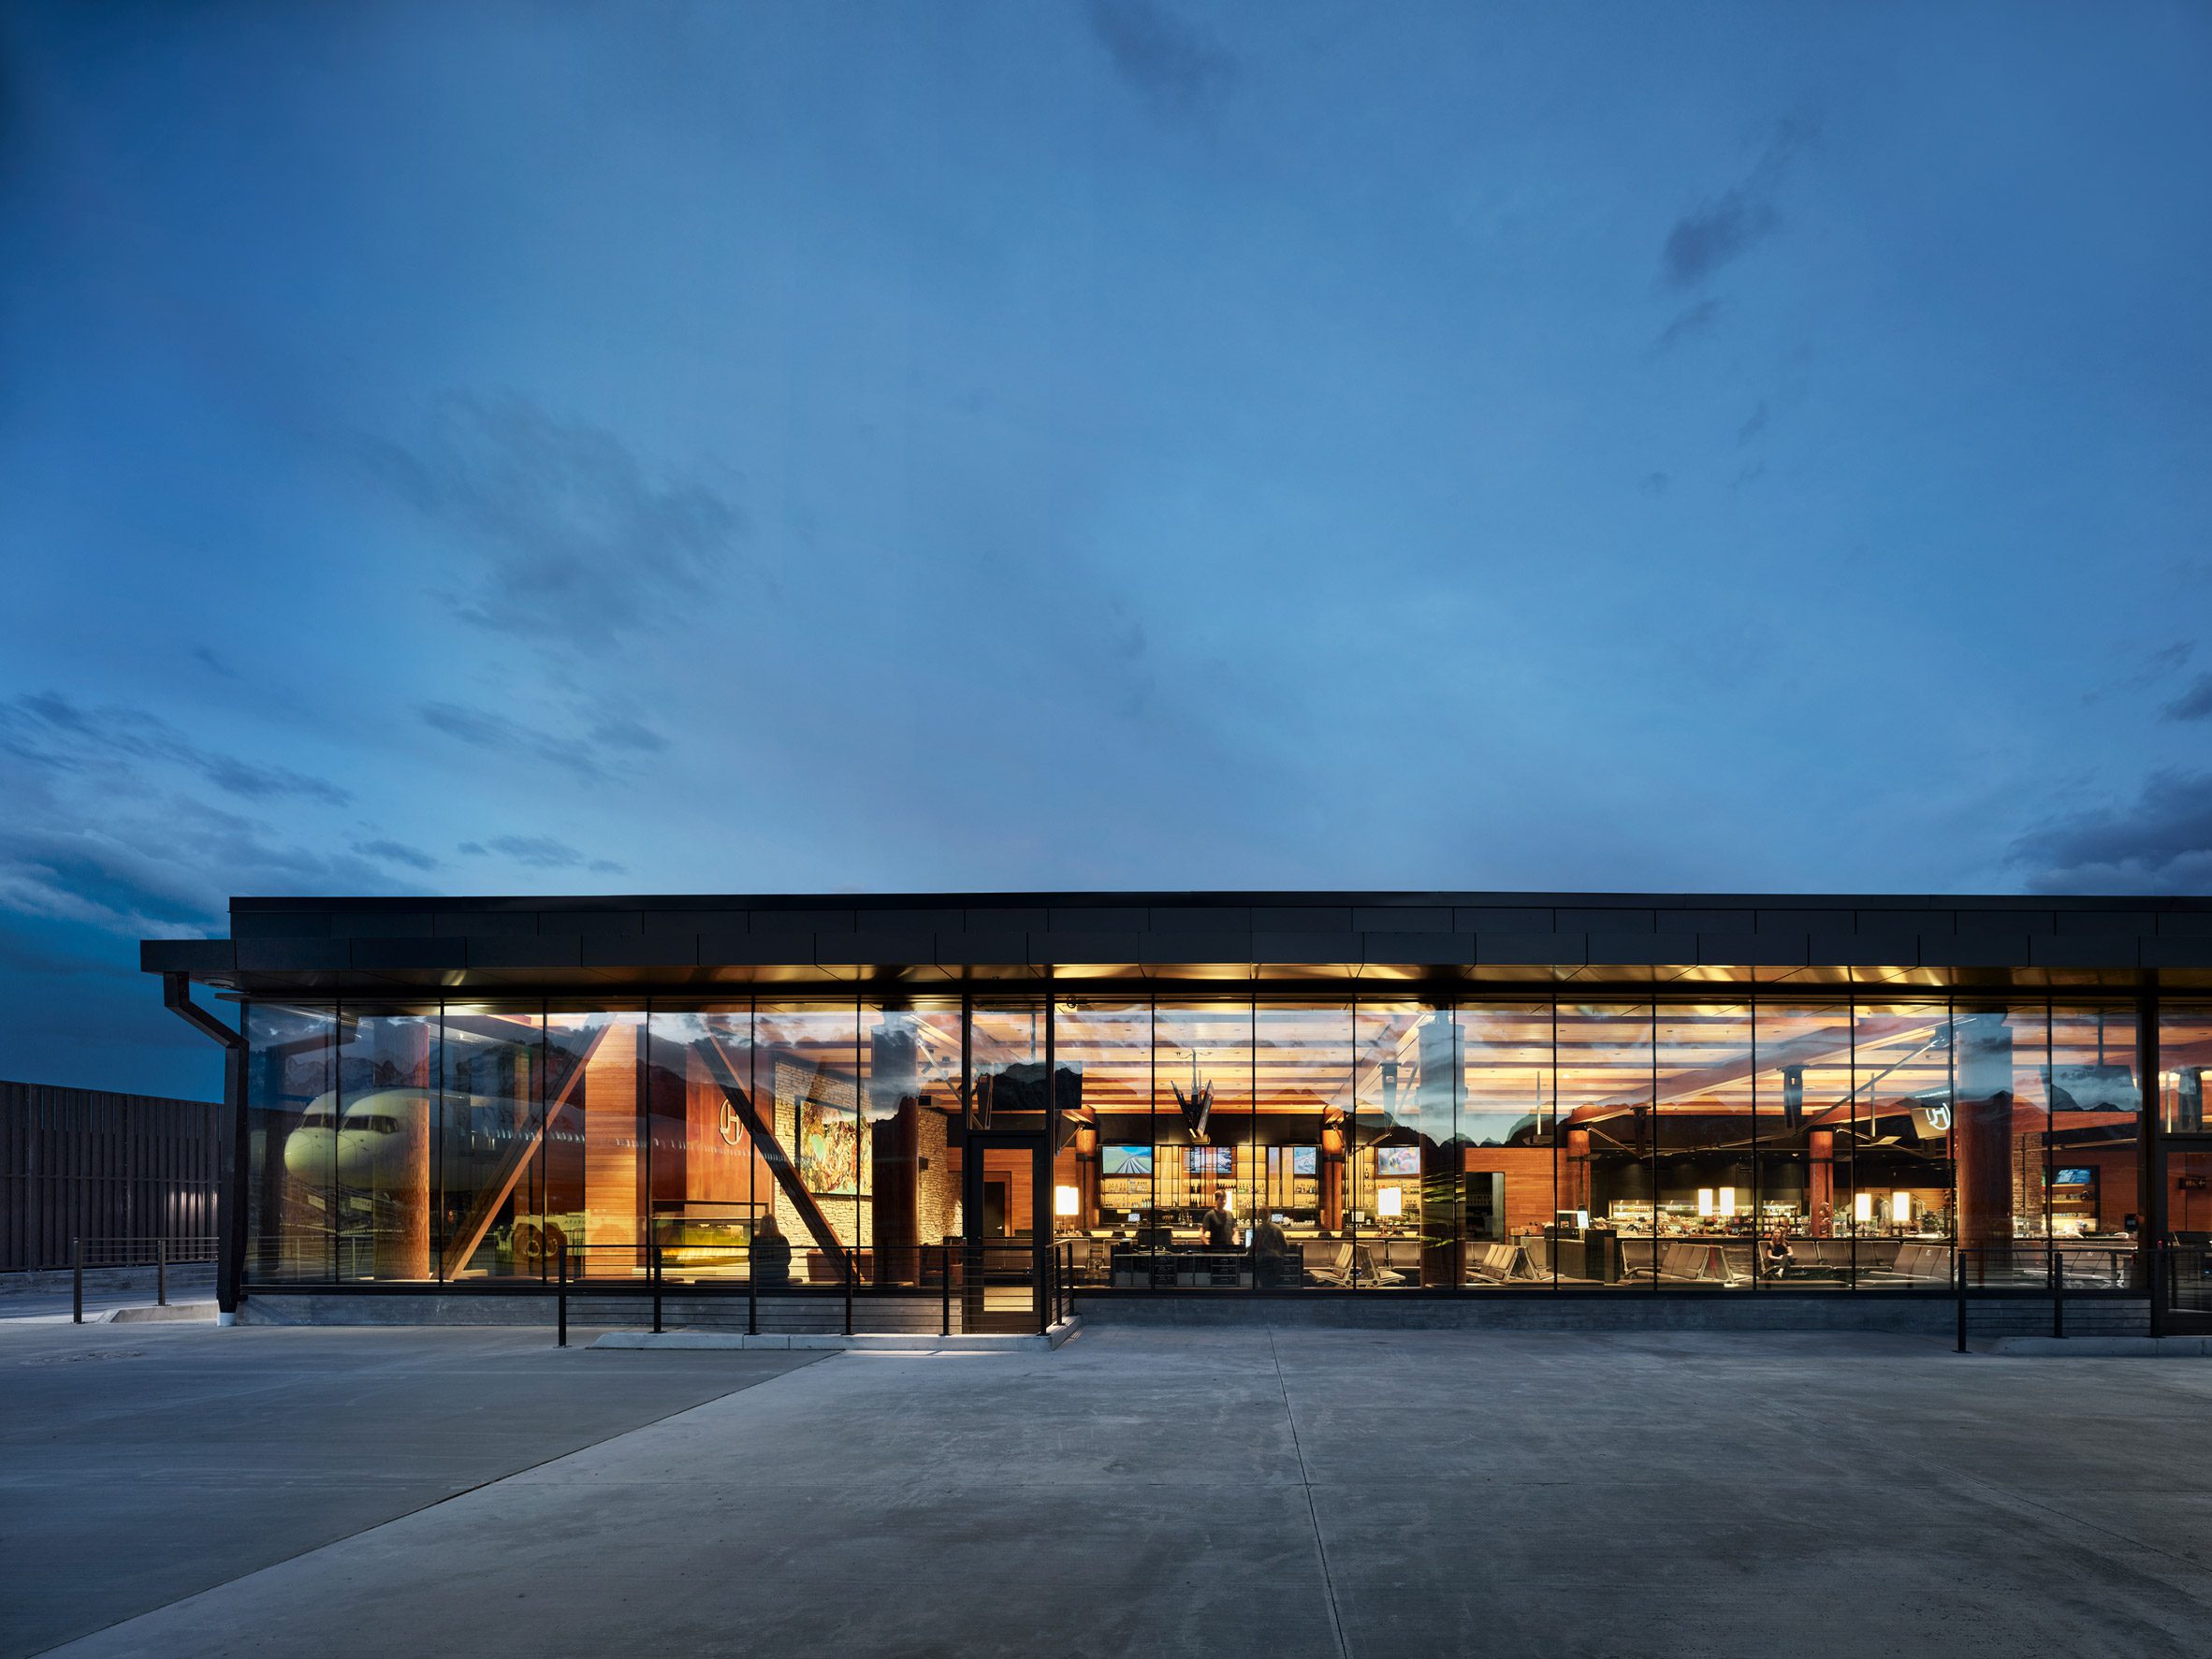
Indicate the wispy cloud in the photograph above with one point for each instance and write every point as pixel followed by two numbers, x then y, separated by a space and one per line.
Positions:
pixel 1173 63
pixel 2196 703
pixel 1694 319
pixel 1723 228
pixel 480 728
pixel 575 540
pixel 51 731
pixel 538 853
pixel 2154 667
pixel 414 858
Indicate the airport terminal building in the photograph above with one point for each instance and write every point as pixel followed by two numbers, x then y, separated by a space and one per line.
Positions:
pixel 978 1107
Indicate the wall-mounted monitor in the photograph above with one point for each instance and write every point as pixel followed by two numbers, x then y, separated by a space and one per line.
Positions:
pixel 1125 1160
pixel 1397 1160
pixel 1210 1160
pixel 1305 1161
pixel 2084 1177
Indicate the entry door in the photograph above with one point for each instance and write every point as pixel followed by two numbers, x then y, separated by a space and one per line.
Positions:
pixel 1006 1206
pixel 2188 1274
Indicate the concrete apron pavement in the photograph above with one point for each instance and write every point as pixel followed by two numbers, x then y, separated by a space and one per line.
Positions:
pixel 1295 1493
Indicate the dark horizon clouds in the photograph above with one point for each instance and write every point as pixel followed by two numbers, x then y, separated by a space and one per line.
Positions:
pixel 1157 443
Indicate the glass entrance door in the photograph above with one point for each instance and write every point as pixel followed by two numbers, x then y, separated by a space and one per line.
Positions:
pixel 1006 1205
pixel 2187 1267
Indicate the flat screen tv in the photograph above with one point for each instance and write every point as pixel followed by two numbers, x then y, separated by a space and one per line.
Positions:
pixel 1397 1160
pixel 1305 1161
pixel 1209 1160
pixel 1126 1160
pixel 2073 1177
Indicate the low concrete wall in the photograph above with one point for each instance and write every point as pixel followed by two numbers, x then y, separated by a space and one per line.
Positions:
pixel 1742 1311
pixel 807 1315
pixel 796 1316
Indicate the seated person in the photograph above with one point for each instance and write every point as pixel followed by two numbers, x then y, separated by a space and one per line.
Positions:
pixel 1777 1254
pixel 771 1255
pixel 1219 1226
pixel 1273 1249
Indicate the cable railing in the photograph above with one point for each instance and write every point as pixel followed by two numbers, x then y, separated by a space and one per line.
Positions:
pixel 977 1287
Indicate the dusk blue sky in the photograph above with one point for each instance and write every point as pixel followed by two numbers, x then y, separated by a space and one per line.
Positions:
pixel 1134 444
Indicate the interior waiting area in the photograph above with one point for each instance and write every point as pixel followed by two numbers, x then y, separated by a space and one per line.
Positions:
pixel 1199 1144
pixel 750 1117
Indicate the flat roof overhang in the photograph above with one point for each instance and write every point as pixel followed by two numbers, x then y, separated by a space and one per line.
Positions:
pixel 909 944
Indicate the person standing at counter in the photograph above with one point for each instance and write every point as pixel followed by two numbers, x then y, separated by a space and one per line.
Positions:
pixel 1219 1226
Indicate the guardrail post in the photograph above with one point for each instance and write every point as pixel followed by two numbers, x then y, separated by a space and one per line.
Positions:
pixel 2057 1292
pixel 563 1293
pixel 752 1283
pixel 76 1280
pixel 161 1272
pixel 847 1255
pixel 1961 1272
pixel 653 1268
pixel 944 1323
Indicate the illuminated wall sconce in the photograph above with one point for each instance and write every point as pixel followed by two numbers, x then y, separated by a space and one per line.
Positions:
pixel 1390 1204
pixel 1727 1197
pixel 1705 1205
pixel 1862 1208
pixel 1067 1201
pixel 1900 1208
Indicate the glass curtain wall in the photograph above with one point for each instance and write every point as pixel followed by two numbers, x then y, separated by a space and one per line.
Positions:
pixel 2092 1156
pixel 1104 1052
pixel 1302 1117
pixel 807 1074
pixel 708 1177
pixel 1893 1193
pixel 291 1144
pixel 1203 1181
pixel 1705 1130
pixel 1207 1142
pixel 1604 1225
pixel 593 1145
pixel 1508 1139
pixel 489 1215
pixel 386 1061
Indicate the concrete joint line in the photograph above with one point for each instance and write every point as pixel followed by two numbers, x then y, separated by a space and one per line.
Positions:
pixel 1312 1514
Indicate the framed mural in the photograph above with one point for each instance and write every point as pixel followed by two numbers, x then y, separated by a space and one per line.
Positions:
pixel 829 1151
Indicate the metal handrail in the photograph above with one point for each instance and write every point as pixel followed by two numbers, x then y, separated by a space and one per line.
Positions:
pixel 159 1252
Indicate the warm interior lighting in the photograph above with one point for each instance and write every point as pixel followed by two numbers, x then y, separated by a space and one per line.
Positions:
pixel 1705 1201
pixel 1728 1202
pixel 1900 1208
pixel 1390 1204
pixel 1862 1207
pixel 1067 1200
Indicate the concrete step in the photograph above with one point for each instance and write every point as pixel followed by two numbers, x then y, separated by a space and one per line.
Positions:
pixel 2104 1347
pixel 930 1343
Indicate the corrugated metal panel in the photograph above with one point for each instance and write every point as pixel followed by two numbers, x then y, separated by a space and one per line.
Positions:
pixel 90 1164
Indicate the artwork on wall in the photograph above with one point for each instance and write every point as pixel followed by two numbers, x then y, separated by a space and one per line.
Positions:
pixel 1397 1160
pixel 829 1153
